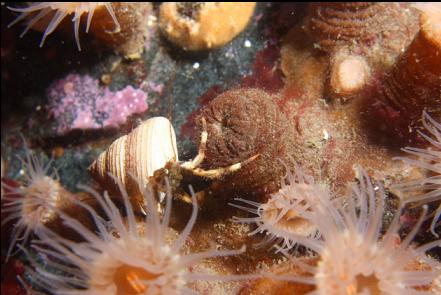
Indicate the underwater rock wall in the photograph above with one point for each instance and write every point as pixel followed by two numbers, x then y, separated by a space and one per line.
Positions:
pixel 266 121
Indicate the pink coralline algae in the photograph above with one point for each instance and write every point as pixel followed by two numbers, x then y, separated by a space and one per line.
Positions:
pixel 78 102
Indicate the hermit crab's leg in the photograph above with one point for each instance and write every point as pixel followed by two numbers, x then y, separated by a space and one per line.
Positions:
pixel 218 172
pixel 200 197
pixel 190 165
pixel 212 173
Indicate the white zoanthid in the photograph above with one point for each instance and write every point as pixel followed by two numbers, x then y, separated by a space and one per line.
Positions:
pixel 355 258
pixel 428 159
pixel 32 204
pixel 60 10
pixel 119 259
pixel 284 211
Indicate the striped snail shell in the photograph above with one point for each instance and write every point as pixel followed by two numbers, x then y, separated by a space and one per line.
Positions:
pixel 136 155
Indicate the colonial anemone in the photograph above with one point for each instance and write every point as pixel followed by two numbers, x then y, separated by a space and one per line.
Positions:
pixel 354 257
pixel 121 259
pixel 33 204
pixel 284 211
pixel 427 189
pixel 39 10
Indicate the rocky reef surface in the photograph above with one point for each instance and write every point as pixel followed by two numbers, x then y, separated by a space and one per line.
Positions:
pixel 314 86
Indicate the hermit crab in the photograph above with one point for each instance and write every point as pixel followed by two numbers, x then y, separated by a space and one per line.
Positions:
pixel 149 152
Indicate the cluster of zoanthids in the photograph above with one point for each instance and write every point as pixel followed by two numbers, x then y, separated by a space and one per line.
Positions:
pixel 119 250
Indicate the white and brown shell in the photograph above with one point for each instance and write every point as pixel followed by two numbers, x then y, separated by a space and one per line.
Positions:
pixel 136 155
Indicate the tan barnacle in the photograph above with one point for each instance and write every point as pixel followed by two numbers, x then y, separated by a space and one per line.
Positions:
pixel 348 74
pixel 149 152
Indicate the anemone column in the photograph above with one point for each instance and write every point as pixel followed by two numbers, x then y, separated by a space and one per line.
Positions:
pixel 413 85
